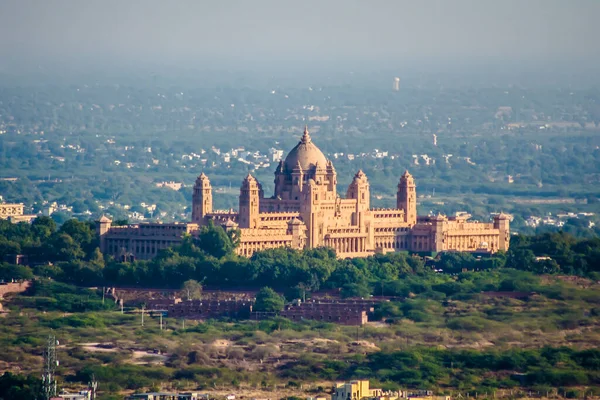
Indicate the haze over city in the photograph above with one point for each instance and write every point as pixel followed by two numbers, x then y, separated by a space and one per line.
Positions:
pixel 275 37
pixel 283 200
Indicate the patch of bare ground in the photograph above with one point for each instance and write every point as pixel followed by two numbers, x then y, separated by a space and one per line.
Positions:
pixel 480 344
pixel 363 345
pixel 306 344
pixel 99 347
pixel 377 324
pixel 137 356
pixel 246 392
pixel 579 281
pixel 140 357
pixel 221 343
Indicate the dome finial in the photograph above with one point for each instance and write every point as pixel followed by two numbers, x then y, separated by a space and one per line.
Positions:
pixel 305 136
pixel 306 154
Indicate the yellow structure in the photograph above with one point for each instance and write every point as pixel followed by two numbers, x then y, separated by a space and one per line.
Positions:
pixel 356 390
pixel 306 211
pixel 360 389
pixel 142 241
pixel 10 210
pixel 14 213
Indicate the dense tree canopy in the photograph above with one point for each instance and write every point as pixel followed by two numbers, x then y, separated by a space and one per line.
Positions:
pixel 18 387
pixel 268 301
pixel 209 258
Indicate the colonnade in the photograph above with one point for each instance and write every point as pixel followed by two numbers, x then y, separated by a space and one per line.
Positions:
pixel 470 242
pixel 347 245
pixel 248 248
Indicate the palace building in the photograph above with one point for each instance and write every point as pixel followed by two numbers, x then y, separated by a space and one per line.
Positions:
pixel 306 211
pixel 14 213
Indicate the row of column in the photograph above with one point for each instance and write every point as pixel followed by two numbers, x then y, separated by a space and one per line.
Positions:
pixel 468 241
pixel 347 245
pixel 147 247
pixel 248 248
pixel 421 243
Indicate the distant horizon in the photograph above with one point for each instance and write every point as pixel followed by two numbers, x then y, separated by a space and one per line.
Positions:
pixel 480 73
pixel 280 39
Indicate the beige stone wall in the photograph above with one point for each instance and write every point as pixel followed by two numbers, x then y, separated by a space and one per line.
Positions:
pixel 23 218
pixel 10 210
pixel 392 239
pixel 278 205
pixel 353 231
pixel 306 212
pixel 253 240
pixel 276 220
pixel 458 234
pixel 143 241
pixel 221 217
pixel 462 235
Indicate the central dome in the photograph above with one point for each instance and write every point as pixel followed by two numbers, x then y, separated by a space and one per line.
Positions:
pixel 306 154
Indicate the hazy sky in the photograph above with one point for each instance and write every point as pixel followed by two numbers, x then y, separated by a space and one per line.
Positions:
pixel 312 34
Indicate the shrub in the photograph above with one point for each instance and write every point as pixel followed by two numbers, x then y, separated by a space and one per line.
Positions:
pixel 474 324
pixel 268 301
pixel 9 271
pixel 75 321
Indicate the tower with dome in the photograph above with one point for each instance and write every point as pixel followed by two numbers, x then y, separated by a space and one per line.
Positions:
pixel 306 211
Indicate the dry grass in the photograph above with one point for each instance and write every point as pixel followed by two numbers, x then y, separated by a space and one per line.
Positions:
pixel 112 338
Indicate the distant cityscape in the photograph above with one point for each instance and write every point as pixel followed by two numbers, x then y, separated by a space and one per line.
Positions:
pixel 278 200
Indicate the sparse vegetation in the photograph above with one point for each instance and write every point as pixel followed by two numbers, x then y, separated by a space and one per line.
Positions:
pixel 458 338
pixel 442 330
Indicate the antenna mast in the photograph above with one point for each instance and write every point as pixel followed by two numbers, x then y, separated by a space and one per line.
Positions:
pixel 50 364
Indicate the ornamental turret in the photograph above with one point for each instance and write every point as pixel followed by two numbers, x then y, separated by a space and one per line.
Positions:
pixel 201 199
pixel 102 228
pixel 320 174
pixel 331 178
pixel 359 190
pixel 249 203
pixel 298 176
pixel 406 198
pixel 502 223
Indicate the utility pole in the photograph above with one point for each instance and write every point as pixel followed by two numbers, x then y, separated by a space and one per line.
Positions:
pixel 143 308
pixel 50 364
pixel 93 386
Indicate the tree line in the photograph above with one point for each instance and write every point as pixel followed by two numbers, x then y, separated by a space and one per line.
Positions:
pixel 70 253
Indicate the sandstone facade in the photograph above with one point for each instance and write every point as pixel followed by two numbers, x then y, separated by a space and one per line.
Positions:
pixel 306 211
